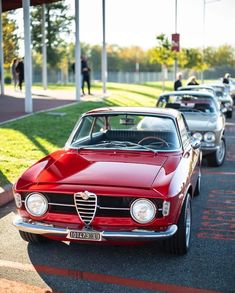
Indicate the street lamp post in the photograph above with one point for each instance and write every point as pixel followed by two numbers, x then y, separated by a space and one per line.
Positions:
pixel 176 63
pixel 104 53
pixel 1 52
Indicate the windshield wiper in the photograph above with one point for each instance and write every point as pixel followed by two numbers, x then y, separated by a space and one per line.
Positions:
pixel 129 143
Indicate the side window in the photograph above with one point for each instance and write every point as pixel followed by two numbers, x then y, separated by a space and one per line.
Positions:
pixel 99 125
pixel 183 130
pixel 84 129
pixel 162 101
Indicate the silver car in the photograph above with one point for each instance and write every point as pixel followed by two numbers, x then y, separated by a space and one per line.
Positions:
pixel 205 120
pixel 223 94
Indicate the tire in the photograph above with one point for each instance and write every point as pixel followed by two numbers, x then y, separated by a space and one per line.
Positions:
pixel 216 159
pixel 229 114
pixel 180 242
pixel 233 97
pixel 198 185
pixel 31 238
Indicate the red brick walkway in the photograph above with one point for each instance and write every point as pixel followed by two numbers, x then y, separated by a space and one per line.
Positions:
pixel 12 103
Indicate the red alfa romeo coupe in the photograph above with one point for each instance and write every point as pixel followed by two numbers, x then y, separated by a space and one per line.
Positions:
pixel 125 175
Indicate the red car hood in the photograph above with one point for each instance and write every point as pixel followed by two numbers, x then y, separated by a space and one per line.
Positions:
pixel 102 168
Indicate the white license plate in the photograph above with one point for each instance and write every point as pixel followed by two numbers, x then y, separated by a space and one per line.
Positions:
pixel 85 235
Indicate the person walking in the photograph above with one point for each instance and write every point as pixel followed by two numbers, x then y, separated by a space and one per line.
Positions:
pixel 14 73
pixel 20 71
pixel 85 69
pixel 178 82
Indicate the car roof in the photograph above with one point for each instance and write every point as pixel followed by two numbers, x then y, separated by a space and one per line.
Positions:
pixel 134 110
pixel 190 93
pixel 218 85
pixel 209 87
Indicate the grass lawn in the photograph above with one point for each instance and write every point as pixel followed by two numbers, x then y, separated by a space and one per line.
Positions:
pixel 25 141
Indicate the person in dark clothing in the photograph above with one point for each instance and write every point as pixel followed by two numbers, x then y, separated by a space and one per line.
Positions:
pixel 192 81
pixel 85 69
pixel 226 78
pixel 20 70
pixel 178 82
pixel 14 74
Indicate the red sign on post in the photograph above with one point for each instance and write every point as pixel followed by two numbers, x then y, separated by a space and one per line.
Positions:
pixel 175 38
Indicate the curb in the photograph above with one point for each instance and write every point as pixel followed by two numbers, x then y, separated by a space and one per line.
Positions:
pixel 6 194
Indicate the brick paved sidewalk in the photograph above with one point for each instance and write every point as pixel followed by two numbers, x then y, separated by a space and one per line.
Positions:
pixel 12 107
pixel 12 103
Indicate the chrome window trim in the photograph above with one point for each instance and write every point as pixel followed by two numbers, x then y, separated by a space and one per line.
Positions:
pixel 161 115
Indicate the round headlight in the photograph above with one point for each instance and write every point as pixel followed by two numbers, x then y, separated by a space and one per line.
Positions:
pixel 197 135
pixel 209 137
pixel 36 204
pixel 143 211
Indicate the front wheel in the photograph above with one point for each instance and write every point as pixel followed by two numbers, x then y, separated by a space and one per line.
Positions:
pixel 229 114
pixel 198 185
pixel 180 242
pixel 216 159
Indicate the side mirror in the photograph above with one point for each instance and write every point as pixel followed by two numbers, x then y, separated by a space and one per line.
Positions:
pixel 196 143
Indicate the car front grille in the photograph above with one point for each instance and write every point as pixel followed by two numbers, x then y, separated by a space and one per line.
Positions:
pixel 105 206
pixel 86 207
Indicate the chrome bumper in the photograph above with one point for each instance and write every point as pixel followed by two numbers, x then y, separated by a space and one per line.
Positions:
pixel 137 235
pixel 209 149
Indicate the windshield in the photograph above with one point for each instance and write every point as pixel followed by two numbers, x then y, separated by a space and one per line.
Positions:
pixel 126 131
pixel 188 103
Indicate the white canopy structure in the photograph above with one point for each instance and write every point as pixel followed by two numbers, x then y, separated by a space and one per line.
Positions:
pixel 6 5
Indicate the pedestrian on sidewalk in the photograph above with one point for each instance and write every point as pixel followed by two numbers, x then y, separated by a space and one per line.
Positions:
pixel 14 73
pixel 178 82
pixel 85 70
pixel 20 71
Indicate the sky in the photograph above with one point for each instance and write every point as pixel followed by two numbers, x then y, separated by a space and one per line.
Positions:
pixel 138 22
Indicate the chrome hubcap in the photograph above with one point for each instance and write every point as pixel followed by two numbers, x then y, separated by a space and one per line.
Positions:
pixel 188 223
pixel 220 152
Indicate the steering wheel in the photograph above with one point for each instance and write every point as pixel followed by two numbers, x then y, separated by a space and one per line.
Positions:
pixel 153 137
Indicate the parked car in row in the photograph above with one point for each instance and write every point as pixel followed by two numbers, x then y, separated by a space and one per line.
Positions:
pixel 125 175
pixel 223 94
pixel 204 118
pixel 232 89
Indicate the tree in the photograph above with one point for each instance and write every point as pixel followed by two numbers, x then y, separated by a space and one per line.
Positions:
pixel 57 26
pixel 10 38
pixel 195 59
pixel 163 54
pixel 95 58
pixel 181 57
pixel 224 56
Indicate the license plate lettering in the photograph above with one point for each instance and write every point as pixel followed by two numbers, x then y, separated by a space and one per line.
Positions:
pixel 84 235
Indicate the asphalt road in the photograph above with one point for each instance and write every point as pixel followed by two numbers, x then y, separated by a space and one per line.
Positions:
pixel 63 267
